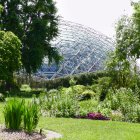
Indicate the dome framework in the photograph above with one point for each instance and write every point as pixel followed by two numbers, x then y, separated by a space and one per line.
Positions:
pixel 83 50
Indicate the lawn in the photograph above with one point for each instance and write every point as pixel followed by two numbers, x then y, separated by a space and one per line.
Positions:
pixel 79 129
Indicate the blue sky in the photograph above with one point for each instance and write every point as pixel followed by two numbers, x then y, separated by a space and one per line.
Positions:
pixel 98 14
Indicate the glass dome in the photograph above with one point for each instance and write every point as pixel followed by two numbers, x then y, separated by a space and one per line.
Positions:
pixel 83 50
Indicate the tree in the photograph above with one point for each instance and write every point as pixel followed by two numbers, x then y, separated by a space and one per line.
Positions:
pixel 136 21
pixel 10 55
pixel 36 24
pixel 123 61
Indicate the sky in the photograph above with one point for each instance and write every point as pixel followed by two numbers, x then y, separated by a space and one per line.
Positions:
pixel 100 15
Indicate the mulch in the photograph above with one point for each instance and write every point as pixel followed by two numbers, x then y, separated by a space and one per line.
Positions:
pixel 6 134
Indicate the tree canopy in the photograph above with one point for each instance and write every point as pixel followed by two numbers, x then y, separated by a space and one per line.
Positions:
pixel 35 22
pixel 10 55
pixel 123 61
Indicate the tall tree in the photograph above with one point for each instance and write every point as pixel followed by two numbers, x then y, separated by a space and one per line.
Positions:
pixel 35 22
pixel 136 21
pixel 123 61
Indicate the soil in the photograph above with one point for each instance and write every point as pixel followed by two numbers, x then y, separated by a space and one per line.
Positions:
pixel 6 134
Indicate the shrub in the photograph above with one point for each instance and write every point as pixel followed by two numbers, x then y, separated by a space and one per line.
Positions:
pixel 122 99
pixel 126 101
pixel 31 116
pixel 104 84
pixel 79 88
pixel 96 116
pixel 13 112
pixel 53 91
pixel 25 88
pixel 86 95
pixel 59 104
pixel 81 79
pixel 116 116
pixel 87 106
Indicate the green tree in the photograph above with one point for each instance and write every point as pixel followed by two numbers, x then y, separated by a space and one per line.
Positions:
pixel 10 56
pixel 122 65
pixel 136 36
pixel 35 22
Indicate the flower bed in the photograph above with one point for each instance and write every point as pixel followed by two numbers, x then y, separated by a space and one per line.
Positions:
pixel 94 116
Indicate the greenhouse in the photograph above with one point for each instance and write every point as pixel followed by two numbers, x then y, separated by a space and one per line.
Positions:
pixel 83 50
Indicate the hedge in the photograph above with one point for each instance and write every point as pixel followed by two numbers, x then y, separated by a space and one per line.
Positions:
pixel 81 79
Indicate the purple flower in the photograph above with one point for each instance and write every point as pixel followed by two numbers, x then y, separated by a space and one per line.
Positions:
pixel 93 116
pixel 96 116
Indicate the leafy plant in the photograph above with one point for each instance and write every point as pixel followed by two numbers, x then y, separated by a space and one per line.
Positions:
pixel 31 116
pixel 86 95
pixel 126 102
pixel 96 116
pixel 25 88
pixel 59 104
pixel 13 112
pixel 104 84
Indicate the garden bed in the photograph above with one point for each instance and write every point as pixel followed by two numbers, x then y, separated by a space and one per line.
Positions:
pixel 6 134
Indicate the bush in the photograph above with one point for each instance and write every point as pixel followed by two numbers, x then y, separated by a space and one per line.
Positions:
pixel 94 116
pixel 25 88
pixel 31 116
pixel 104 84
pixel 13 112
pixel 87 106
pixel 59 104
pixel 122 99
pixel 86 95
pixel 126 101
pixel 116 116
pixel 81 79
pixel 53 91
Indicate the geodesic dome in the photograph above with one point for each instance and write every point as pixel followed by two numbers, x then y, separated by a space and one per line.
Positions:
pixel 83 49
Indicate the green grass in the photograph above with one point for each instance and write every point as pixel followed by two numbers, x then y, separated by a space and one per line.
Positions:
pixel 79 129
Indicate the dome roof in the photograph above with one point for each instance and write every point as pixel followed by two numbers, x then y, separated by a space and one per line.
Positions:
pixel 83 50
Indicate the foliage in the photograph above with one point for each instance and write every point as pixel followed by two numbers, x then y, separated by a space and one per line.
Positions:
pixel 81 79
pixel 10 55
pixel 136 29
pixel 16 112
pixel 13 112
pixel 59 104
pixel 86 95
pixel 117 116
pixel 25 88
pixel 104 84
pixel 122 63
pixel 87 106
pixel 96 116
pixel 2 97
pixel 124 101
pixel 36 25
pixel 31 116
